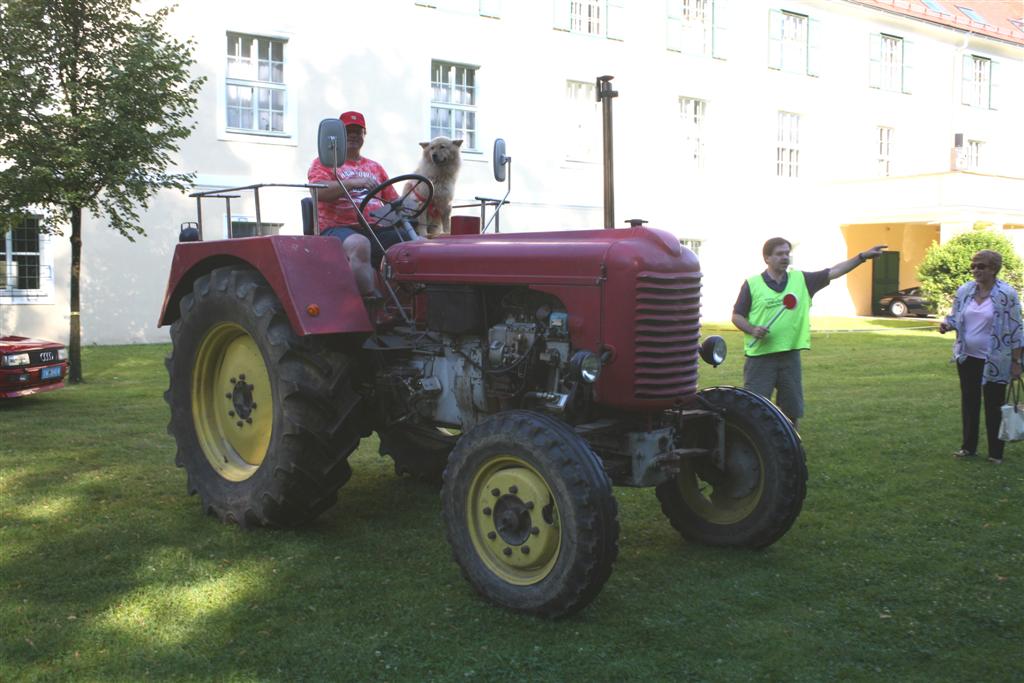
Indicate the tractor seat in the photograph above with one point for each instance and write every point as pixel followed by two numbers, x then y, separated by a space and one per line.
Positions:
pixel 308 213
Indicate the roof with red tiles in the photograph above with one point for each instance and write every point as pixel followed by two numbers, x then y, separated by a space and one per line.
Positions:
pixel 1002 19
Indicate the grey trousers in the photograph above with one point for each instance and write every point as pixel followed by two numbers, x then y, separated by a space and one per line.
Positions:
pixel 777 373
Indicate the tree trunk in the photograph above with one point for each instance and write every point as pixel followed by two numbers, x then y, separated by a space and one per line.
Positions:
pixel 75 336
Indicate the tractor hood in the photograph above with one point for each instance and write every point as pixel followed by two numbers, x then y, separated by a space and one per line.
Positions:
pixel 567 257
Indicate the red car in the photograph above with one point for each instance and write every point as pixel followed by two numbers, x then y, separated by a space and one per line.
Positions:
pixel 29 366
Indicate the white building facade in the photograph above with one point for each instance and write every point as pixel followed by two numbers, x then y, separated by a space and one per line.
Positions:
pixel 838 124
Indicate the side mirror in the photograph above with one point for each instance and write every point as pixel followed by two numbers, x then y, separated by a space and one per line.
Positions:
pixel 499 160
pixel 332 143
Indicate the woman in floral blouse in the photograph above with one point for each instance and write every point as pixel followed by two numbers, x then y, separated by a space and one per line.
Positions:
pixel 987 318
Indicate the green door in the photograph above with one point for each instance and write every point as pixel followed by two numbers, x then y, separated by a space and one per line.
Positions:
pixel 885 277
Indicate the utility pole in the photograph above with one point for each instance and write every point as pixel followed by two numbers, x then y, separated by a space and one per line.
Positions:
pixel 604 96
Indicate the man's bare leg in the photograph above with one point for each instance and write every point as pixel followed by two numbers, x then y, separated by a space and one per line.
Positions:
pixel 357 249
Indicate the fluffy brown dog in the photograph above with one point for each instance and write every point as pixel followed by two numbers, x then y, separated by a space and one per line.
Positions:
pixel 440 163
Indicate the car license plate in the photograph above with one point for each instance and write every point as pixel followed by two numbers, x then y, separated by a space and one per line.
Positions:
pixel 50 373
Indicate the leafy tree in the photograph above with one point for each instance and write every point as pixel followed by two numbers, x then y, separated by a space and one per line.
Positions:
pixel 94 97
pixel 947 266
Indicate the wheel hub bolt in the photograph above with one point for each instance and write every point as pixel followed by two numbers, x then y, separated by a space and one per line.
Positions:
pixel 529 505
pixel 241 377
pixel 253 405
pixel 491 535
pixel 231 413
pixel 513 489
pixel 525 549
pixel 233 380
pixel 487 511
pixel 248 420
pixel 495 492
pixel 534 531
pixel 239 423
pixel 507 551
pixel 227 396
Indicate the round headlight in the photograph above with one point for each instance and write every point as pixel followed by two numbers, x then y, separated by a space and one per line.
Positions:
pixel 713 350
pixel 586 366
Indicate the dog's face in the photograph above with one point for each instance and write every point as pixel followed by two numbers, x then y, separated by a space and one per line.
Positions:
pixel 441 151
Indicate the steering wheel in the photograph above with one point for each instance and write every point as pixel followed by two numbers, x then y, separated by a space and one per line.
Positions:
pixel 409 204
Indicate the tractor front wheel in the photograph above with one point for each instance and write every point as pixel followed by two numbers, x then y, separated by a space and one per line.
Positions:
pixel 529 514
pixel 756 498
pixel 264 420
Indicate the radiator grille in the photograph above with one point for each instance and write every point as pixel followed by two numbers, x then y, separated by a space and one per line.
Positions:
pixel 667 329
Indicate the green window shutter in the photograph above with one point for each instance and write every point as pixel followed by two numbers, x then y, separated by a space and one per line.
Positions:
pixel 673 25
pixel 875 60
pixel 813 47
pixel 908 66
pixel 966 79
pixel 993 85
pixel 562 17
pixel 774 39
pixel 490 8
pixel 719 37
pixel 615 12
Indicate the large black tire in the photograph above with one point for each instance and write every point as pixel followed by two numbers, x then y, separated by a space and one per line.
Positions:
pixel 264 420
pixel 755 501
pixel 420 452
pixel 529 514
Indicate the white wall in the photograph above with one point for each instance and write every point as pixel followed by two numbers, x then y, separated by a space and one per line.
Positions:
pixel 375 57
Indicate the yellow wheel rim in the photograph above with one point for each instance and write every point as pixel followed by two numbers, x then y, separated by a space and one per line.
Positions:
pixel 513 521
pixel 724 497
pixel 232 403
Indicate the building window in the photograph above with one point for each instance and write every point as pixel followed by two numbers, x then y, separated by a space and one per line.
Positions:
pixel 885 145
pixel 485 8
pixel 692 111
pixel 974 154
pixel 256 93
pixel 583 118
pixel 788 45
pixel 587 16
pixel 244 226
pixel 691 244
pixel 787 150
pixel 935 6
pixel 695 26
pixel 602 18
pixel 977 81
pixel 890 69
pixel 453 102
pixel 26 267
pixel 972 14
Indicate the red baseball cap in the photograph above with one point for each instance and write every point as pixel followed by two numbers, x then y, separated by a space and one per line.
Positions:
pixel 353 118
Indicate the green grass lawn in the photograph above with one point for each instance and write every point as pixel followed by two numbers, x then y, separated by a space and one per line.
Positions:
pixel 904 564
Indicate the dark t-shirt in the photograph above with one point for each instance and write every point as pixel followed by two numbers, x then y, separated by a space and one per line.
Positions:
pixel 815 281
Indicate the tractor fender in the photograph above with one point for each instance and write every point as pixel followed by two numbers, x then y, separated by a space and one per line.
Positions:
pixel 310 276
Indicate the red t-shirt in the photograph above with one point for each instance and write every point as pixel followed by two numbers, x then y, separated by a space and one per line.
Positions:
pixel 341 211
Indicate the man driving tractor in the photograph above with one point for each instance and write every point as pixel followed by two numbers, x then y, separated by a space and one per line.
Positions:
pixel 337 215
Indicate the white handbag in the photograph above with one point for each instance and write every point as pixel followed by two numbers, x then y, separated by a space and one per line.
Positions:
pixel 1012 426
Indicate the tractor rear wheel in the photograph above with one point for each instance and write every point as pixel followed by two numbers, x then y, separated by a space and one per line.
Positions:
pixel 529 514
pixel 755 500
pixel 264 420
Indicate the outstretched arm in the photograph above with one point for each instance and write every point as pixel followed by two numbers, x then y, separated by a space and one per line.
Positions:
pixel 840 269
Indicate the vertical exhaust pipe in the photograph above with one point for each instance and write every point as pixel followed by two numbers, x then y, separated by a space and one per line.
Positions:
pixel 604 96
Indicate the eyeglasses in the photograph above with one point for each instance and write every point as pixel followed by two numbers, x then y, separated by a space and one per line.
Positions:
pixel 979 266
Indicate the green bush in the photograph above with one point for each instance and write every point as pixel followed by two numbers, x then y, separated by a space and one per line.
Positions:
pixel 947 266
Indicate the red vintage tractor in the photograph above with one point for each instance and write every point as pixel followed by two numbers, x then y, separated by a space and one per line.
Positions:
pixel 528 372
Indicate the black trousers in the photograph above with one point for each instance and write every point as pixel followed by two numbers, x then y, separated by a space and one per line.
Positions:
pixel 971 391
